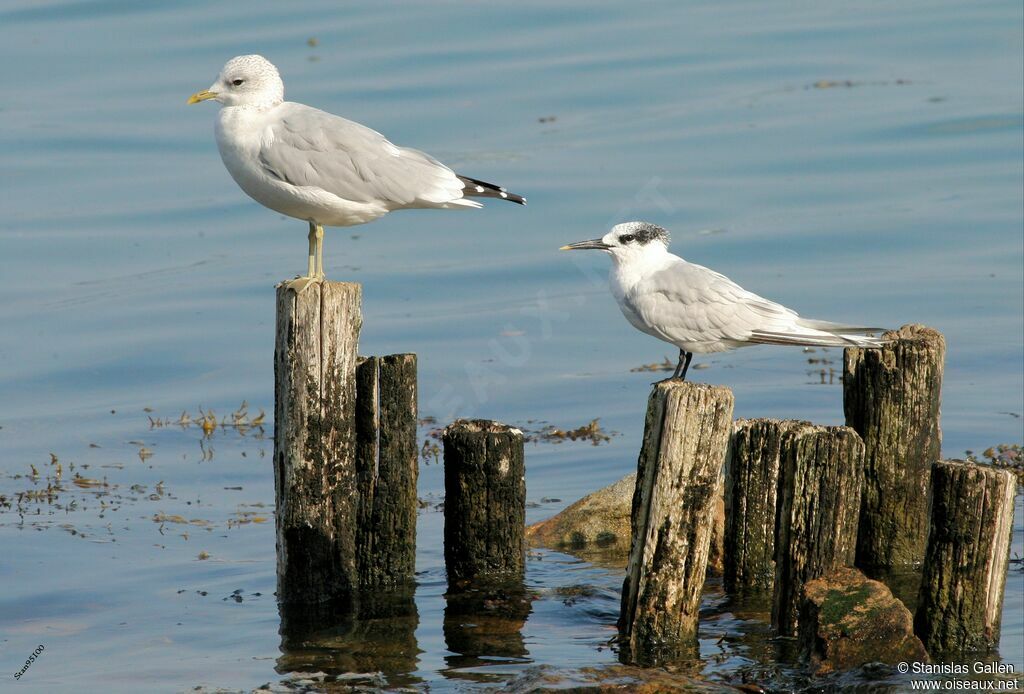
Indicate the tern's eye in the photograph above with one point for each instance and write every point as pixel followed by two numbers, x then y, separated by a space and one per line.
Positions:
pixel 626 238
pixel 237 83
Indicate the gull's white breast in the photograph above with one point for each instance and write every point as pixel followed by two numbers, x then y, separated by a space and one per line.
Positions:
pixel 241 133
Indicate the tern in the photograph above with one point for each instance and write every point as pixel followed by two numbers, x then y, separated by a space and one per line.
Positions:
pixel 699 310
pixel 321 168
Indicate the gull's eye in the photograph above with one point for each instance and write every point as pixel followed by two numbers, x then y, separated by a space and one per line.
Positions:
pixel 237 83
pixel 626 238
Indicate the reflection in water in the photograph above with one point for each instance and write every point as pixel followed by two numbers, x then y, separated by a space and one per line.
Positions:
pixel 374 633
pixel 681 656
pixel 483 627
pixel 737 642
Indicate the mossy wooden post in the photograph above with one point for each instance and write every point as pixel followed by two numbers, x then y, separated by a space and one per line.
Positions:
pixel 314 441
pixel 679 472
pixel 751 485
pixel 961 598
pixel 716 549
pixel 819 504
pixel 387 468
pixel 484 501
pixel 891 398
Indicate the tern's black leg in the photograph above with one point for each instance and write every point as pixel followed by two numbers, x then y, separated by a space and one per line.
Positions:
pixel 679 364
pixel 683 365
pixel 686 366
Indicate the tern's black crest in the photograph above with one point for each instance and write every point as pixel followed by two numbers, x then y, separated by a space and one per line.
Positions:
pixel 642 233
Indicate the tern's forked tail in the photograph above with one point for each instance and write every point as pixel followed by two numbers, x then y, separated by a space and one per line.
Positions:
pixel 820 333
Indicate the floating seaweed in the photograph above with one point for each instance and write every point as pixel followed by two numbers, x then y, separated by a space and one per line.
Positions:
pixel 591 432
pixel 431 452
pixel 665 365
pixel 1009 456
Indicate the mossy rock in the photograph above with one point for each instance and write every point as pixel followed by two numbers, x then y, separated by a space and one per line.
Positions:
pixel 595 527
pixel 848 620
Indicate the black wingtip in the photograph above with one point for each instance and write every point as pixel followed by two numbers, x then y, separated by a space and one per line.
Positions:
pixel 474 188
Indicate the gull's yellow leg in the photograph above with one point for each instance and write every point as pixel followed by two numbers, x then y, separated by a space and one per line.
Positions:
pixel 314 242
pixel 319 252
pixel 316 235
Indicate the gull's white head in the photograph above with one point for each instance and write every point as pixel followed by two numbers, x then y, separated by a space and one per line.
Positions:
pixel 628 242
pixel 248 80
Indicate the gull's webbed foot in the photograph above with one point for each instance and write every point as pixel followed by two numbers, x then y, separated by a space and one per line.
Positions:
pixel 300 283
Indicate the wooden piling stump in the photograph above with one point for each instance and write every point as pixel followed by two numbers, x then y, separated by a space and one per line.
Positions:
pixel 751 489
pixel 819 504
pixel 716 550
pixel 686 434
pixel 961 598
pixel 891 397
pixel 387 468
pixel 314 441
pixel 485 501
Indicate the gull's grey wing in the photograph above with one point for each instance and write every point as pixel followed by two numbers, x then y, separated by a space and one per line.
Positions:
pixel 688 303
pixel 309 147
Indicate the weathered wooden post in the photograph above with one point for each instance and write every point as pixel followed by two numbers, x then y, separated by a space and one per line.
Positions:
pixel 387 468
pixel 686 433
pixel 751 488
pixel 314 441
pixel 961 598
pixel 821 477
pixel 891 397
pixel 484 502
pixel 716 549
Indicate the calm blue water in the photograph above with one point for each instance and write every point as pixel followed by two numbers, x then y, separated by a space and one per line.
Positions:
pixel 857 161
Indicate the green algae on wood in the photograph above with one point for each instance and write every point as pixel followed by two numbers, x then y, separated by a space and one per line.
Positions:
pixel 314 441
pixel 961 599
pixel 819 502
pixel 485 501
pixel 891 397
pixel 679 477
pixel 387 469
pixel 751 494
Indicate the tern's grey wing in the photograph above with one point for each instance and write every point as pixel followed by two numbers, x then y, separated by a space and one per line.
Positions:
pixel 688 303
pixel 308 147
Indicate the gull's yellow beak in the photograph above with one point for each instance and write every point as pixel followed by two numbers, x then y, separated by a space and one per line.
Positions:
pixel 204 95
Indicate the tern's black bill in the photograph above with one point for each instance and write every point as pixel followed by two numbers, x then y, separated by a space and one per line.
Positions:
pixel 592 244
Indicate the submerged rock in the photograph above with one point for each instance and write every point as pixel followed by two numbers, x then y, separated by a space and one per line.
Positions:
pixel 597 527
pixel 597 524
pixel 847 620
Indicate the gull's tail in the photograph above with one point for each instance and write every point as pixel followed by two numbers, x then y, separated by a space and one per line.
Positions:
pixel 821 333
pixel 473 188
